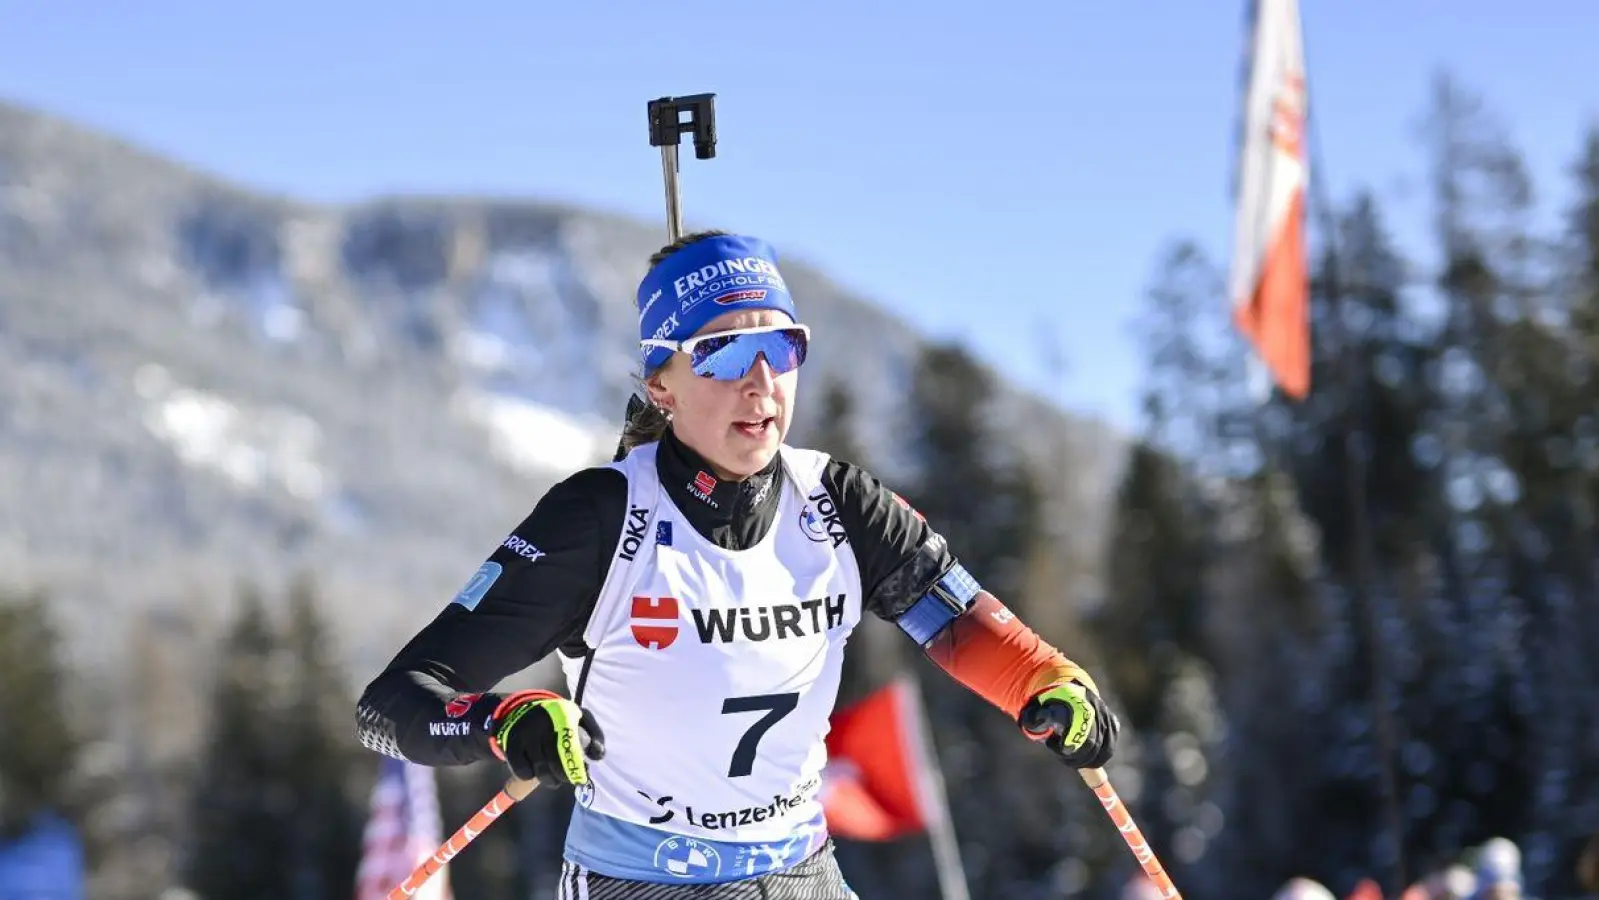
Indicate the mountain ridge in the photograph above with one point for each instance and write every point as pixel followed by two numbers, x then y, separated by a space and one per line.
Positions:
pixel 215 383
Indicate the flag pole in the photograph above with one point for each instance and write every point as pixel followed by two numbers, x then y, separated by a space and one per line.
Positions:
pixel 1357 444
pixel 1354 420
pixel 934 801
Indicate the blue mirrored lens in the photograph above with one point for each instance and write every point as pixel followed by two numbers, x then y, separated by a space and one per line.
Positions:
pixel 732 356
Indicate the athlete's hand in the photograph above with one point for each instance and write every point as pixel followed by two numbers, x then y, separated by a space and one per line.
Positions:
pixel 1074 722
pixel 545 736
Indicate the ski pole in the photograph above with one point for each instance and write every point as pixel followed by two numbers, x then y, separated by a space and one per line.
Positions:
pixel 1108 798
pixel 515 790
pixel 666 129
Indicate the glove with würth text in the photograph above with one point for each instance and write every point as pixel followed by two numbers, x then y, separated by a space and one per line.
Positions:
pixel 1074 723
pixel 546 736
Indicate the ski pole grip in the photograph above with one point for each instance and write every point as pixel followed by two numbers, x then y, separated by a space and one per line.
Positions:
pixel 519 788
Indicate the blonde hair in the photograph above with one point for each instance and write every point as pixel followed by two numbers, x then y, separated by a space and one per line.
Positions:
pixel 646 422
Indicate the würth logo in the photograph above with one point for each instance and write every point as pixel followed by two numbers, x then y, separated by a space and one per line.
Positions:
pixel 460 705
pixel 702 486
pixel 723 625
pixel 654 622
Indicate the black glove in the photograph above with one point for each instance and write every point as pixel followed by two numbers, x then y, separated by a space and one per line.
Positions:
pixel 1074 723
pixel 545 736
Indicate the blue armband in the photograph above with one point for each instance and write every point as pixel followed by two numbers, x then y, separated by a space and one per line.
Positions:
pixel 949 596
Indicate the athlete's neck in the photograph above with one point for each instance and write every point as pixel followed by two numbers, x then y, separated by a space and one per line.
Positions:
pixel 730 513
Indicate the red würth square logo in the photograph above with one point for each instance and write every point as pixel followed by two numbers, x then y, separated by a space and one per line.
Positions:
pixel 658 629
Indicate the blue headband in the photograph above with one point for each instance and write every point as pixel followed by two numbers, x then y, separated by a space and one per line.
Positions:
pixel 702 281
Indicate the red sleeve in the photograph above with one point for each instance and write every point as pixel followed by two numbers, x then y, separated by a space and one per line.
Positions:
pixel 991 652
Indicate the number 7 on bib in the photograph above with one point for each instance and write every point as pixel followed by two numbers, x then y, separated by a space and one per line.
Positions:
pixel 776 706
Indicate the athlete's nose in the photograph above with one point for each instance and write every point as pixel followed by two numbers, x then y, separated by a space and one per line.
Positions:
pixel 760 378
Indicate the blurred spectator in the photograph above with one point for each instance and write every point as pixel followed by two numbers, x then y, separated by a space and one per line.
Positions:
pixel 1499 871
pixel 1454 883
pixel 1365 889
pixel 1303 889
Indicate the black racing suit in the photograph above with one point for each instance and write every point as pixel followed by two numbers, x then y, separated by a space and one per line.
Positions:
pixel 532 610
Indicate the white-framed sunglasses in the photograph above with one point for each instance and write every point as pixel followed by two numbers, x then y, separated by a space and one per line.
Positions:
pixel 729 355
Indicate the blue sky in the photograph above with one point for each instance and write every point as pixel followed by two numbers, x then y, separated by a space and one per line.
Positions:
pixel 998 172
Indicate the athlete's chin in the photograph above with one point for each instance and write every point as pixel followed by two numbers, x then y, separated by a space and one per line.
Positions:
pixel 751 453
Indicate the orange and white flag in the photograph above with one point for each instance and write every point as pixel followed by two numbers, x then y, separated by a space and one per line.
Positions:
pixel 1270 282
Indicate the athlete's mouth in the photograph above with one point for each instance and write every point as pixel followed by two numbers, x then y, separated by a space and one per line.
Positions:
pixel 755 427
